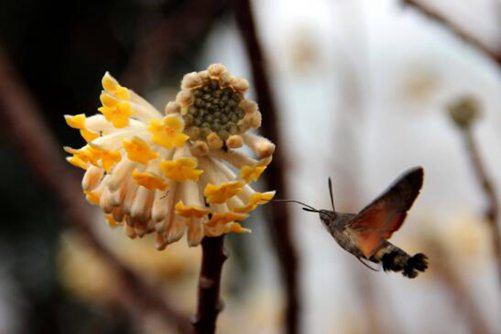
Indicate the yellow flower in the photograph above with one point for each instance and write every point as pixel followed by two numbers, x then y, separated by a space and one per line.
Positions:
pixel 181 169
pixel 82 157
pixel 222 218
pixel 118 114
pixel 78 122
pixel 236 228
pixel 108 158
pixel 112 86
pixel 253 172
pixel 256 199
pixel 138 150
pixel 190 211
pixel 231 227
pixel 217 194
pixel 77 162
pixel 93 155
pixel 75 121
pixel 172 173
pixel 112 222
pixel 168 132
pixel 93 197
pixel 149 180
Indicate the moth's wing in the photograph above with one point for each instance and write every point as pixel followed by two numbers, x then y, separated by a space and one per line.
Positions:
pixel 378 220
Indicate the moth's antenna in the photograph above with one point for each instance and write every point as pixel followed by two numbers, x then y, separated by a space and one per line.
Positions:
pixel 365 264
pixel 310 210
pixel 307 207
pixel 330 192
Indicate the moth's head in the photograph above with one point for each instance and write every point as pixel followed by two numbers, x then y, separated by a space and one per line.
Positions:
pixel 327 216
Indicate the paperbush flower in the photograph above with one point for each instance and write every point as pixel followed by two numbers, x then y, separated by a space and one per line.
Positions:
pixel 178 172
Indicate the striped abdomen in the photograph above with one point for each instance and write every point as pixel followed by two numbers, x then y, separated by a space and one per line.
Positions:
pixel 395 259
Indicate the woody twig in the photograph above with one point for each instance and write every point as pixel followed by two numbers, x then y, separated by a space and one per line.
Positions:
pixel 455 28
pixel 464 113
pixel 280 230
pixel 209 302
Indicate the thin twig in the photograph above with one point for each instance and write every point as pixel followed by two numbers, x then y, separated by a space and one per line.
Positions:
pixel 23 122
pixel 492 210
pixel 209 302
pixel 455 28
pixel 280 230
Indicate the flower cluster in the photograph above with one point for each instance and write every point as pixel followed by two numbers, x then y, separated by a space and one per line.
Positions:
pixel 176 172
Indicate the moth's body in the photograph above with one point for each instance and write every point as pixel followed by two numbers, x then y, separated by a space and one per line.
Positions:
pixel 366 234
pixel 337 225
pixel 392 257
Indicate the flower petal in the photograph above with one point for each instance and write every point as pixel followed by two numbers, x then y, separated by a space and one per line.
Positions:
pixel 221 218
pixel 149 180
pixel 190 211
pixel 256 199
pixel 138 150
pixel 217 194
pixel 181 169
pixel 168 131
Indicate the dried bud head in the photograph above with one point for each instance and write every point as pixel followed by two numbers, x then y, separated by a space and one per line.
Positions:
pixel 234 141
pixel 216 70
pixel 248 106
pixel 199 148
pixel 256 120
pixel 172 107
pixel 265 149
pixel 204 76
pixel 191 80
pixel 225 80
pixel 464 111
pixel 214 141
pixel 184 98
pixel 240 85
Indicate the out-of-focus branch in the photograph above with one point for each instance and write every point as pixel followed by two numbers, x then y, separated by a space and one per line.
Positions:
pixel 22 120
pixel 492 210
pixel 162 43
pixel 464 113
pixel 209 303
pixel 280 229
pixel 463 300
pixel 455 28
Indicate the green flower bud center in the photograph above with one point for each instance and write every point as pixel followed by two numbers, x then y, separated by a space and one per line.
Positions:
pixel 214 109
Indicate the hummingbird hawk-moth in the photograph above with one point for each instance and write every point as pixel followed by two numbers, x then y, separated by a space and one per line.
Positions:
pixel 366 234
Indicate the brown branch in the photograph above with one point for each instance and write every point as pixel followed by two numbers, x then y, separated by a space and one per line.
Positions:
pixel 486 184
pixel 464 112
pixel 455 28
pixel 22 120
pixel 209 302
pixel 158 48
pixel 280 230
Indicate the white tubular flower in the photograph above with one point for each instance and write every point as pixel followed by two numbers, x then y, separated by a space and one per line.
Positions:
pixel 176 172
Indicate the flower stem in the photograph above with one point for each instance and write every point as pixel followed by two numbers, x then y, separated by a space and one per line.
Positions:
pixel 492 210
pixel 209 302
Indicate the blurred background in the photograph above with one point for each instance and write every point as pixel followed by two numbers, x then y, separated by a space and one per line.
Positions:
pixel 362 90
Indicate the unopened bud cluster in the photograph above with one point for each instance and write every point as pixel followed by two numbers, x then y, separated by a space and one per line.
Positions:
pixel 176 173
pixel 214 109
